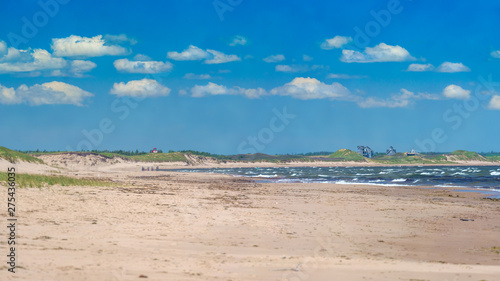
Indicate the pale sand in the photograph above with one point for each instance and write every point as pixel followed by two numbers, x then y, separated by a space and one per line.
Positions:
pixel 179 226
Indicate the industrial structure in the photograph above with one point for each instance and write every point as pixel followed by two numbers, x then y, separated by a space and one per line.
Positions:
pixel 365 151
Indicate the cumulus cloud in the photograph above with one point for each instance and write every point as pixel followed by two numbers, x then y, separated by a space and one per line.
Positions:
pixel 47 93
pixel 294 68
pixel 417 67
pixel 3 48
pixel 191 53
pixel 335 42
pixel 210 56
pixel 119 39
pixel 456 92
pixel 212 89
pixel 451 67
pixel 401 99
pixel 344 76
pixel 197 76
pixel 380 53
pixel 274 58
pixel 38 61
pixel 29 60
pixel 79 67
pixel 238 40
pixel 495 54
pixel 142 66
pixel 494 103
pixel 140 88
pixel 307 58
pixel 77 46
pixel 218 57
pixel 311 88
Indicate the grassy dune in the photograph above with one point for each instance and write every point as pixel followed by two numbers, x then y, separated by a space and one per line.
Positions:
pixel 463 155
pixel 14 156
pixel 348 155
pixel 29 180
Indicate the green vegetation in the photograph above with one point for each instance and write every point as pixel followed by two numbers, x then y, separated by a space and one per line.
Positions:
pixel 463 155
pixel 159 157
pixel 14 156
pixel 402 158
pixel 30 180
pixel 347 155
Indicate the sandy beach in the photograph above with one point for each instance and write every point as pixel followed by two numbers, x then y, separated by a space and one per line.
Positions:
pixel 180 226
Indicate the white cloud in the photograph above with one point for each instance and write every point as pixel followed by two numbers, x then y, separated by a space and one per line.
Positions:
pixel 195 53
pixel 125 65
pixel 401 99
pixel 119 39
pixel 140 88
pixel 238 40
pixel 212 89
pixel 27 61
pixel 142 57
pixel 294 68
pixel 380 53
pixel 77 46
pixel 495 54
pixel 456 92
pixel 218 57
pixel 307 58
pixel 3 48
pixel 47 93
pixel 494 103
pixel 417 67
pixel 191 53
pixel 344 76
pixel 311 88
pixel 451 67
pixel 78 67
pixel 335 42
pixel 197 76
pixel 274 58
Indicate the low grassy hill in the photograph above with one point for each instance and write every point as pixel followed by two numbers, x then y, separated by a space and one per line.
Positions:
pixel 463 155
pixel 402 158
pixel 14 156
pixel 158 157
pixel 347 155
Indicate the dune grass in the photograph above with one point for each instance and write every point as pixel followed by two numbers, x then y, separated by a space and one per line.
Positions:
pixel 348 155
pixel 14 156
pixel 467 155
pixel 32 180
pixel 159 157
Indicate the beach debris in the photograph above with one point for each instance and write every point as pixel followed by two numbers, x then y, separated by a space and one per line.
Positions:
pixel 142 276
pixel 467 219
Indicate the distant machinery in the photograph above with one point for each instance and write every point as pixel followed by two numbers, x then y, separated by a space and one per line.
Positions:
pixel 391 151
pixel 365 151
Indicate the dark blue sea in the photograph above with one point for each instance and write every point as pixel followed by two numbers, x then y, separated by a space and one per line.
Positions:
pixel 475 177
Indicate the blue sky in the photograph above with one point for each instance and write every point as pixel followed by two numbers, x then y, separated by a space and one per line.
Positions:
pixel 239 76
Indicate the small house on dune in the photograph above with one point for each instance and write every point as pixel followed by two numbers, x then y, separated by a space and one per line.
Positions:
pixel 365 151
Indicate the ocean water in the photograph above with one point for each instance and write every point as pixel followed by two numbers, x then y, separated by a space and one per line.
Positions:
pixel 480 177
